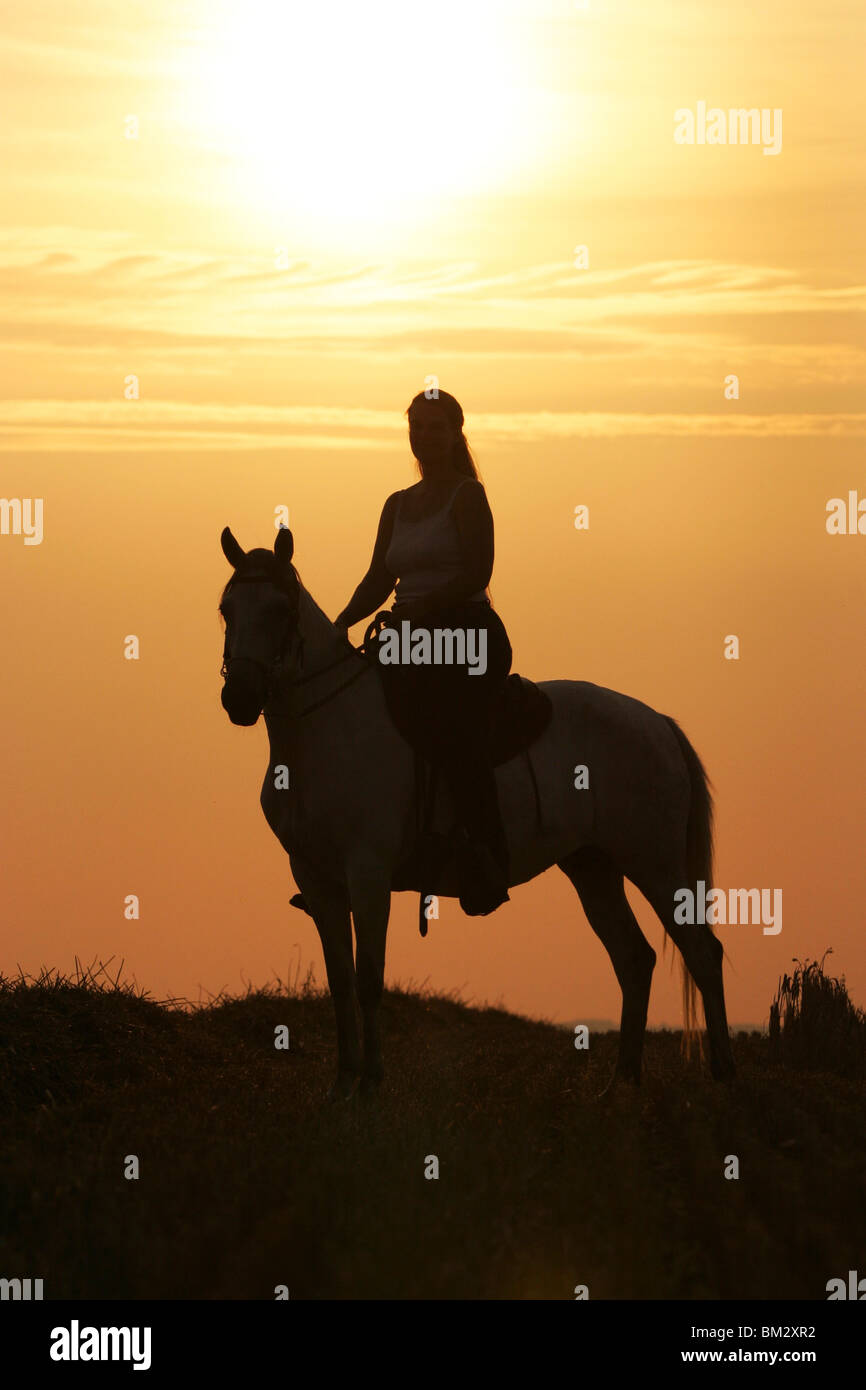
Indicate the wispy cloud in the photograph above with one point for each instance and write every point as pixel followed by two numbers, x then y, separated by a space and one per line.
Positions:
pixel 243 299
pixel 101 426
pixel 182 283
pixel 643 349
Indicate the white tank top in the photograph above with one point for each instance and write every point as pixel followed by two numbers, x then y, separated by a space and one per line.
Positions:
pixel 425 554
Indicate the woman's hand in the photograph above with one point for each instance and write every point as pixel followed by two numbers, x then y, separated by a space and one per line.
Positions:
pixel 415 610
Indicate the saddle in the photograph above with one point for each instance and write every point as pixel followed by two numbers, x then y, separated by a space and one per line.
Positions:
pixel 522 713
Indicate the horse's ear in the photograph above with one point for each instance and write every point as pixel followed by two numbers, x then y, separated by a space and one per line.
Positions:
pixel 233 552
pixel 284 545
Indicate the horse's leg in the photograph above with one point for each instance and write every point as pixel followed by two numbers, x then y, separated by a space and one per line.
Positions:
pixel 370 896
pixel 602 894
pixel 702 952
pixel 329 905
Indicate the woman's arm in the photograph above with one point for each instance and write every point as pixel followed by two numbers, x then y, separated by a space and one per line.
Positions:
pixel 377 583
pixel 474 521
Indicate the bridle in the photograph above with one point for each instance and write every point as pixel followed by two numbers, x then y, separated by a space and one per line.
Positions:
pixel 274 670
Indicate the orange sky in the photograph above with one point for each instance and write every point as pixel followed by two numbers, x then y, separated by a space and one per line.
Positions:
pixel 312 219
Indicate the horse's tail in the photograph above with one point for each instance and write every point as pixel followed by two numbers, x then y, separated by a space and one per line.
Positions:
pixel 699 863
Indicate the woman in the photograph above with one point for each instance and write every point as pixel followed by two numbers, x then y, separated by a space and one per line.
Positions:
pixel 435 542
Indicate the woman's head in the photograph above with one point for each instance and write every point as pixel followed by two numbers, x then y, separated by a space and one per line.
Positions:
pixel 436 435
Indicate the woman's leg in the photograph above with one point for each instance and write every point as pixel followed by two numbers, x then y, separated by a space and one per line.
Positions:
pixel 467 704
pixel 447 713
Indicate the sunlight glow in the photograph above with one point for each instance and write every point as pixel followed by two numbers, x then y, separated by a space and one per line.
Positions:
pixel 347 110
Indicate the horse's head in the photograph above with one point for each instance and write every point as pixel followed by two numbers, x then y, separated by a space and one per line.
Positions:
pixel 260 606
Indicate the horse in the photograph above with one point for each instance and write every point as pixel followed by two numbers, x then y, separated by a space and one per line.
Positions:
pixel 339 794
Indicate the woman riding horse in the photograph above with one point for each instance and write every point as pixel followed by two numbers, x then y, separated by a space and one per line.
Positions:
pixel 435 543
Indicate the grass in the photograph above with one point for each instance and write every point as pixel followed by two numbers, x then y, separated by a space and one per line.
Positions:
pixel 814 1024
pixel 248 1180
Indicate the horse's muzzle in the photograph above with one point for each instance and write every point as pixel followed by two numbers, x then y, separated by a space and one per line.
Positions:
pixel 243 697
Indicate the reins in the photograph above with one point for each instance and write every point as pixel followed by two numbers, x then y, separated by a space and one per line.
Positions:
pixel 373 630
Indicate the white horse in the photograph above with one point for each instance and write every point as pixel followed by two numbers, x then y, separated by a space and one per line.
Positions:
pixel 339 794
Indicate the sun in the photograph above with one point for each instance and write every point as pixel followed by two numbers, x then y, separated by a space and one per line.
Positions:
pixel 355 110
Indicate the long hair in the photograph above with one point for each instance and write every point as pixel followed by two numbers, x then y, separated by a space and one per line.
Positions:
pixel 463 460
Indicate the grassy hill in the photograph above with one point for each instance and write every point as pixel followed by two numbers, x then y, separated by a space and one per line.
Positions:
pixel 248 1180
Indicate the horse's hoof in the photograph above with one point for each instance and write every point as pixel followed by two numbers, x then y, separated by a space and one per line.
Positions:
pixel 343 1089
pixel 370 1085
pixel 725 1071
pixel 633 1079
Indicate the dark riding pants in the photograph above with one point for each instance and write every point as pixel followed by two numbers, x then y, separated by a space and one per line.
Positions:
pixel 445 711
